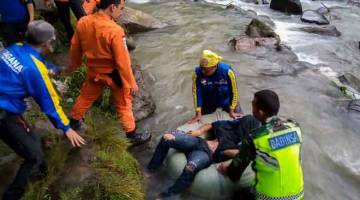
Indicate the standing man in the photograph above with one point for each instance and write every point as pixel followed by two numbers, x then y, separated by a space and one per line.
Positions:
pixel 102 42
pixel 15 16
pixel 214 86
pixel 275 150
pixel 63 7
pixel 23 74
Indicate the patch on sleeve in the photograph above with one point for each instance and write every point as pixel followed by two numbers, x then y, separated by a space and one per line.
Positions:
pixel 284 140
pixel 124 41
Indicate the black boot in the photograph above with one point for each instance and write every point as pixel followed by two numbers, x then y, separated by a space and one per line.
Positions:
pixel 138 138
pixel 75 124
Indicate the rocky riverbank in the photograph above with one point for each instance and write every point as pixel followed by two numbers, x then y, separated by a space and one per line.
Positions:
pixel 103 169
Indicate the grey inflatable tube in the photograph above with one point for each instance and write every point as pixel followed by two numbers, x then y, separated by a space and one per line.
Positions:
pixel 208 183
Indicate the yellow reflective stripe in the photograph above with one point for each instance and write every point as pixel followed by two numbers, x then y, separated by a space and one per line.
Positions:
pixel 234 89
pixel 53 95
pixel 197 109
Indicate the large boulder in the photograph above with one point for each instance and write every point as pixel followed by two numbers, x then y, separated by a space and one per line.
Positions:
pixel 244 43
pixel 322 30
pixel 312 16
pixel 259 33
pixel 143 104
pixel 260 28
pixel 287 6
pixel 136 21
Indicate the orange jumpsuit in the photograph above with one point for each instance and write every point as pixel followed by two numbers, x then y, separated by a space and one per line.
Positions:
pixel 102 41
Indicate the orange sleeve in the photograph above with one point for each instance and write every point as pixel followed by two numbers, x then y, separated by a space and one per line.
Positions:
pixel 122 60
pixel 75 51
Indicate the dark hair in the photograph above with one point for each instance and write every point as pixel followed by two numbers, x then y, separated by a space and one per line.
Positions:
pixel 106 3
pixel 267 101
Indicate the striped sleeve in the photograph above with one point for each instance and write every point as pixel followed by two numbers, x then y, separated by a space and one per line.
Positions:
pixel 234 89
pixel 39 86
pixel 196 91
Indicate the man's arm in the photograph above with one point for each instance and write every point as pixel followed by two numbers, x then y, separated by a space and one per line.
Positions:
pixel 76 51
pixel 38 84
pixel 235 95
pixel 231 153
pixel 123 62
pixel 241 161
pixel 197 97
pixel 30 9
pixel 200 130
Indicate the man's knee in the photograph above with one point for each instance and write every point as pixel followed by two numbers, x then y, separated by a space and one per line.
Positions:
pixel 36 158
pixel 168 137
pixel 191 167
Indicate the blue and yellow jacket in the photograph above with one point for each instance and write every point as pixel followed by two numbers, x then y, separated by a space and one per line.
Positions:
pixel 23 74
pixel 217 90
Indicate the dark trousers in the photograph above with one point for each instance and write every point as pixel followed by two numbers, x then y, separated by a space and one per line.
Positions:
pixel 64 14
pixel 16 134
pixel 196 153
pixel 14 32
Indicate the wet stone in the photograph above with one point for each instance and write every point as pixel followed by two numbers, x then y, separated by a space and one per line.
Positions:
pixel 312 16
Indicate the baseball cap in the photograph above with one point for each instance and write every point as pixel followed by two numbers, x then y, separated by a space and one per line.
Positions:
pixel 39 32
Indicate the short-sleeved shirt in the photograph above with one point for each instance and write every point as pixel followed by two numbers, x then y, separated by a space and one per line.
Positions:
pixel 231 133
pixel 14 11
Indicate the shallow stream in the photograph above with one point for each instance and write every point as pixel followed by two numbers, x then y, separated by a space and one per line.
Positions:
pixel 331 152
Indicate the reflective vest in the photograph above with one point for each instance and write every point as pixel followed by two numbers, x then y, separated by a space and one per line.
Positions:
pixel 278 161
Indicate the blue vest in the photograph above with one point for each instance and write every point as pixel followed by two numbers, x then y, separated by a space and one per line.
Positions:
pixel 23 74
pixel 216 90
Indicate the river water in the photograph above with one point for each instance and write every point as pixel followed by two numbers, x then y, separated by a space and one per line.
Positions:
pixel 331 151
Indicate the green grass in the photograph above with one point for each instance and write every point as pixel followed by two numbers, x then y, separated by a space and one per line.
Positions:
pixel 117 173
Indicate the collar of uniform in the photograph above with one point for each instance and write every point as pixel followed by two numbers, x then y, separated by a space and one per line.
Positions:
pixel 272 119
pixel 103 15
pixel 31 50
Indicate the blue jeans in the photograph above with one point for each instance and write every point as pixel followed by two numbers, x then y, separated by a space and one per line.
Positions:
pixel 197 154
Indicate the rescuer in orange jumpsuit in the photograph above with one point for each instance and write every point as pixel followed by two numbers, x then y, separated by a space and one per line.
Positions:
pixel 102 41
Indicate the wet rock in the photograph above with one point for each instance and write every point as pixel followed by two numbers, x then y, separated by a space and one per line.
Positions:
pixel 354 107
pixel 266 19
pixel 143 104
pixel 354 2
pixel 130 43
pixel 323 10
pixel 351 80
pixel 8 171
pixel 259 28
pixel 78 168
pixel 259 33
pixel 322 30
pixel 287 6
pixel 312 16
pixel 244 43
pixel 230 6
pixel 136 21
pixel 44 127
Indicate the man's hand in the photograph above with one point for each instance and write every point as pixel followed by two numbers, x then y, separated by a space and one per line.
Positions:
pixel 235 115
pixel 222 168
pixel 75 139
pixel 195 133
pixel 196 118
pixel 134 90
